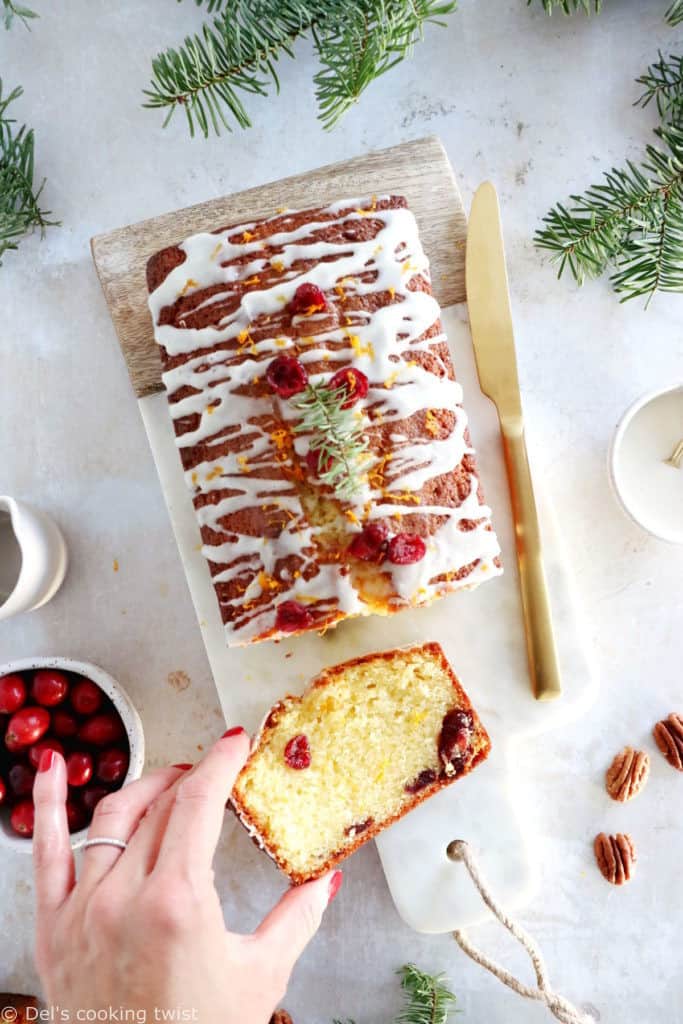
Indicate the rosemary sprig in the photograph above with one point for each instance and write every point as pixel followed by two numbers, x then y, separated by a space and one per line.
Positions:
pixel 336 435
pixel 20 211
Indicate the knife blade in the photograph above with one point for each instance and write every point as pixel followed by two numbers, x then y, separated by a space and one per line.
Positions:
pixel 488 300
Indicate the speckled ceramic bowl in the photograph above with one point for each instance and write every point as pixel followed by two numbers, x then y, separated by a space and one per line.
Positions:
pixel 122 703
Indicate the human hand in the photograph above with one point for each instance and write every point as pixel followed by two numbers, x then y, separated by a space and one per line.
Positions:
pixel 143 928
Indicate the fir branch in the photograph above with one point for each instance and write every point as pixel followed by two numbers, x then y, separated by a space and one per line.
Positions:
pixel 336 435
pixel 632 222
pixel 364 40
pixel 20 211
pixel 355 42
pixel 674 15
pixel 428 998
pixel 12 10
pixel 663 82
pixel 235 55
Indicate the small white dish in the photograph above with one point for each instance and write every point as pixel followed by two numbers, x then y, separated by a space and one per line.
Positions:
pixel 123 704
pixel 33 557
pixel 649 488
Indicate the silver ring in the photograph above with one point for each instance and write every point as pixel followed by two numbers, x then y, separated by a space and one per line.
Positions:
pixel 105 841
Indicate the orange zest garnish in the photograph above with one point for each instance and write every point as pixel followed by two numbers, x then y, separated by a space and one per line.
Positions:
pixel 432 423
pixel 190 283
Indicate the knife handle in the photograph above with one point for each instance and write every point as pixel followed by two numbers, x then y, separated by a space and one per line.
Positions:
pixel 540 638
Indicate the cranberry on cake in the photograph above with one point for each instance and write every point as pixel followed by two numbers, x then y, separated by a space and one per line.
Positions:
pixel 366 743
pixel 318 418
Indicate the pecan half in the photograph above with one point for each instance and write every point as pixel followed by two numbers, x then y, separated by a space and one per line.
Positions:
pixel 616 856
pixel 668 736
pixel 627 774
pixel 281 1017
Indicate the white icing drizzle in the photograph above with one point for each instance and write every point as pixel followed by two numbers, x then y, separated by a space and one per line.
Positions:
pixel 385 344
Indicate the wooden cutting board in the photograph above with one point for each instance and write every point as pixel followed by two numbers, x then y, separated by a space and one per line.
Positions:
pixel 481 632
pixel 418 170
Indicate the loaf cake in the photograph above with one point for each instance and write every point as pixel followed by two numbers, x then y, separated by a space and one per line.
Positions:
pixel 318 418
pixel 367 742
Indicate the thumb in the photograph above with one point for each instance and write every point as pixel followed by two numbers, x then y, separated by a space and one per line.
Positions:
pixel 291 925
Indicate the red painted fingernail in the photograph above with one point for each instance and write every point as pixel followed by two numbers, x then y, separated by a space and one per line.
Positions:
pixel 335 885
pixel 233 732
pixel 47 759
pixel 183 767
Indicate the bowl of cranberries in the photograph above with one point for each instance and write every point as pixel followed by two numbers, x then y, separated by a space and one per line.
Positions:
pixel 77 709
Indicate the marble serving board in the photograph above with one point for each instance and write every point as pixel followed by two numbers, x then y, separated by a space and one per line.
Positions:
pixel 480 631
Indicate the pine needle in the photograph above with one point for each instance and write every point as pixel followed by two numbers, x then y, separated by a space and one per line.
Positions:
pixel 663 84
pixel 675 13
pixel 12 10
pixel 20 211
pixel 570 6
pixel 336 434
pixel 428 998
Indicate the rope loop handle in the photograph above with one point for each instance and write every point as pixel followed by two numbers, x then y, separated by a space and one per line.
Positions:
pixel 561 1009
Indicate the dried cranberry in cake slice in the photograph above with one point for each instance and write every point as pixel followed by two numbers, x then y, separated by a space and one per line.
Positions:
pixel 368 741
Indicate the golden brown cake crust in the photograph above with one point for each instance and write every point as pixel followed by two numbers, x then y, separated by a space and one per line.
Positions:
pixel 248 594
pixel 259 834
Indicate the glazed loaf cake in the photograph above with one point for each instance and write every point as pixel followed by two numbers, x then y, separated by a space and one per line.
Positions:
pixel 368 741
pixel 318 418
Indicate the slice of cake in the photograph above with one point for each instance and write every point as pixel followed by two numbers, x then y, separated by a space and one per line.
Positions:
pixel 318 418
pixel 368 741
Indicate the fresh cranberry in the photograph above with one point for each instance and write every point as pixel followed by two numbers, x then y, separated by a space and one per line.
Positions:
pixel 64 724
pixel 79 768
pixel 12 693
pixel 286 376
pixel 86 697
pixel 298 752
pixel 317 462
pixel 371 544
pixel 102 730
pixel 22 817
pixel 308 299
pixel 76 816
pixel 26 726
pixel 354 382
pixel 112 766
pixel 20 778
pixel 49 687
pixel 292 616
pixel 3 790
pixel 406 548
pixel 37 749
pixel 91 796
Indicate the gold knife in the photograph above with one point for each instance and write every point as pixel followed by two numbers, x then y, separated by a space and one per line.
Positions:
pixel 488 301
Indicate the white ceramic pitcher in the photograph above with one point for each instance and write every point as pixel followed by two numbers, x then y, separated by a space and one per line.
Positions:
pixel 33 557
